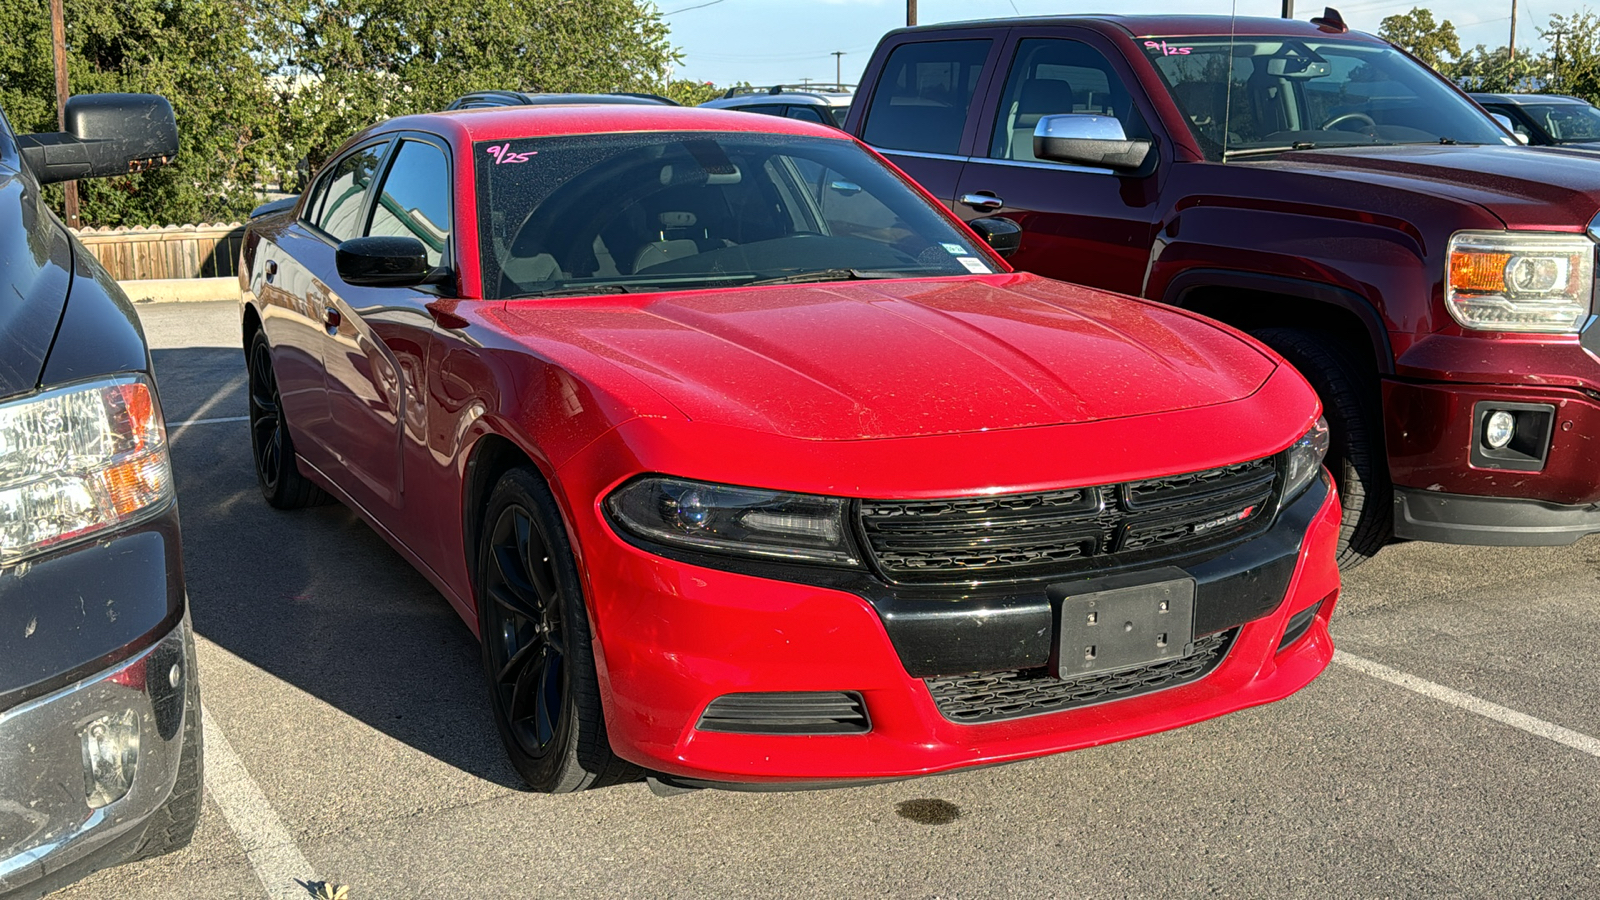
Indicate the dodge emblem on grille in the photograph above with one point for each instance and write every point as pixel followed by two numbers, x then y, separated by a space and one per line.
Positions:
pixel 1229 519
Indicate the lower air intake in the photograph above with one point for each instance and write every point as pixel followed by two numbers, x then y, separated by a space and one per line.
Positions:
pixel 788 712
pixel 971 699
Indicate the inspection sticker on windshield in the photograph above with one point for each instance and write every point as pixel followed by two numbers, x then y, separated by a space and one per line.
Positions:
pixel 974 265
pixel 956 249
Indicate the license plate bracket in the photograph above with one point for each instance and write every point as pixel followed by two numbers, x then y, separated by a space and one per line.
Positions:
pixel 1122 621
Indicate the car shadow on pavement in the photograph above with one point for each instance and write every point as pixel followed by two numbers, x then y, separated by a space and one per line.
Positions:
pixel 314 597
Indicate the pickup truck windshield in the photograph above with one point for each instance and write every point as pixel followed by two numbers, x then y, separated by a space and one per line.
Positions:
pixel 613 213
pixel 1248 96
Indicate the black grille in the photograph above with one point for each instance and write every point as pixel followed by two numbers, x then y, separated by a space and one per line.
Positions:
pixel 970 699
pixel 788 712
pixel 1053 532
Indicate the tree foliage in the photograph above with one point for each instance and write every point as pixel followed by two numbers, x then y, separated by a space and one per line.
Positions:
pixel 1435 43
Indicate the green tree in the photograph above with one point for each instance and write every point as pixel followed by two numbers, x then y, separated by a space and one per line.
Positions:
pixel 193 52
pixel 1481 70
pixel 692 93
pixel 341 65
pixel 1435 43
pixel 1574 60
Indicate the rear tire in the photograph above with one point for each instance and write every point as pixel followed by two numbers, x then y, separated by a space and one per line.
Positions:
pixel 536 644
pixel 1353 407
pixel 271 447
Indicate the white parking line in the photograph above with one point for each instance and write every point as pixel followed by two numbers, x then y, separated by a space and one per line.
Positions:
pixel 1548 730
pixel 273 854
pixel 176 429
pixel 187 422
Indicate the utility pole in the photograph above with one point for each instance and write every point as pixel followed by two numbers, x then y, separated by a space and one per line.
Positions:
pixel 1288 9
pixel 838 69
pixel 1513 30
pixel 911 12
pixel 1555 72
pixel 58 47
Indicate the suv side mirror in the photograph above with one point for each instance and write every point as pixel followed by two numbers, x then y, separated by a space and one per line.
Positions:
pixel 1088 140
pixel 385 261
pixel 1001 234
pixel 107 134
pixel 1506 123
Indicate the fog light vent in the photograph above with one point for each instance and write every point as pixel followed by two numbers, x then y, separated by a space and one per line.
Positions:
pixel 787 712
pixel 110 756
pixel 1512 436
pixel 1299 624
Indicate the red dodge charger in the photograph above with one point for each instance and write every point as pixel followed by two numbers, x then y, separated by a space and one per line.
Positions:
pixel 750 465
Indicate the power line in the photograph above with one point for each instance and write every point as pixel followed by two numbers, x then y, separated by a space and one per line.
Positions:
pixel 687 8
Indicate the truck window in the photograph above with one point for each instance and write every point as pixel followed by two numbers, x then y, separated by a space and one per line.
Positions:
pixel 922 99
pixel 1053 77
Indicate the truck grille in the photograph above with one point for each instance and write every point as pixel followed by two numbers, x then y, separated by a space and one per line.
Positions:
pixel 973 699
pixel 1013 536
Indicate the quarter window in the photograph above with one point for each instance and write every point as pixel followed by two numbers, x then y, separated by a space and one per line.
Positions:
pixel 340 216
pixel 415 199
pixel 922 99
pixel 1055 77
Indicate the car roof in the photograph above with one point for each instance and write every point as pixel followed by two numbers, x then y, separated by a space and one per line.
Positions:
pixel 1161 26
pixel 1527 99
pixel 503 123
pixel 793 98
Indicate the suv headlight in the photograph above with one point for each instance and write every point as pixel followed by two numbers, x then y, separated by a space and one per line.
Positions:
pixel 744 521
pixel 78 460
pixel 1505 281
pixel 1305 460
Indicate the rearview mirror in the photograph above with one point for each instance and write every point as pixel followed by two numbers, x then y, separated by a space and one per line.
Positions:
pixel 107 134
pixel 1088 140
pixel 385 261
pixel 1001 234
pixel 1298 68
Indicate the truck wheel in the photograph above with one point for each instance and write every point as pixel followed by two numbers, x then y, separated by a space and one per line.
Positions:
pixel 1350 401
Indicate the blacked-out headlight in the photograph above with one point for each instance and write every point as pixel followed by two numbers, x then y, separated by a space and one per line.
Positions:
pixel 1305 460
pixel 718 518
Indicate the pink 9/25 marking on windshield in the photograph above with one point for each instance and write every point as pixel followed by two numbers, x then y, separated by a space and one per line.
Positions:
pixel 502 155
pixel 1168 50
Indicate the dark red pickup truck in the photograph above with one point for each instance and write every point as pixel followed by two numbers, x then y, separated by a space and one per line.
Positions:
pixel 1319 189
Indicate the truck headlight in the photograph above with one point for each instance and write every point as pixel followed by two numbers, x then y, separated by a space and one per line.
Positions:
pixel 1506 281
pixel 745 521
pixel 78 460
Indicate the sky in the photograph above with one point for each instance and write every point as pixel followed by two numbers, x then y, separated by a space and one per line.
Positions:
pixel 785 41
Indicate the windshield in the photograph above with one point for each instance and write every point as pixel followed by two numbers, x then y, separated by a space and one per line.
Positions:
pixel 671 211
pixel 1298 94
pixel 1566 122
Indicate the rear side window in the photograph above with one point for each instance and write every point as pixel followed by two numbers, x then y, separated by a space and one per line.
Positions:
pixel 340 215
pixel 415 199
pixel 923 96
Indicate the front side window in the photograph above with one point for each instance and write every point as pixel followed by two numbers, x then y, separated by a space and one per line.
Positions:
pixel 415 199
pixel 340 215
pixel 674 211
pixel 923 96
pixel 1567 122
pixel 1054 77
pixel 1247 96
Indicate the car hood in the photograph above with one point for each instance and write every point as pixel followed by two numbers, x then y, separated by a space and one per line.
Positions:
pixel 902 358
pixel 37 258
pixel 1522 186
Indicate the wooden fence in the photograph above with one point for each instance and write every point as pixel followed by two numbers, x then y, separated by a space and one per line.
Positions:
pixel 173 251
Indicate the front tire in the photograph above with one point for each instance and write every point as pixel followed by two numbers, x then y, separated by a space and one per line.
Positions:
pixel 1351 403
pixel 271 447
pixel 536 645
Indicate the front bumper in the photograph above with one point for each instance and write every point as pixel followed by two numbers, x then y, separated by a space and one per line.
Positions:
pixel 673 636
pixel 49 834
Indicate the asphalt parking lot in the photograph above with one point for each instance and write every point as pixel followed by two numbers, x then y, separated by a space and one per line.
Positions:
pixel 1453 750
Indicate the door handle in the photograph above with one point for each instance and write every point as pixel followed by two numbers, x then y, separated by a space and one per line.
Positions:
pixel 331 318
pixel 272 269
pixel 982 200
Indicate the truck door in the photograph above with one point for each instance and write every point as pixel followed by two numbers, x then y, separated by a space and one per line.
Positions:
pixel 1086 225
pixel 921 115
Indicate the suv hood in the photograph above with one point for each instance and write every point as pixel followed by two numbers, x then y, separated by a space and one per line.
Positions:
pixel 907 357
pixel 37 259
pixel 1523 187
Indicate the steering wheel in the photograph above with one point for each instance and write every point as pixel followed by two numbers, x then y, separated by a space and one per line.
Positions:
pixel 1347 117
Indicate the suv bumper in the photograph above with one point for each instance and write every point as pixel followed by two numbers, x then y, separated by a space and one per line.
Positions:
pixel 49 833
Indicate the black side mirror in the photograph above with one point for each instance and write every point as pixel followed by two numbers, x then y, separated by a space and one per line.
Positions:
pixel 1088 140
pixel 107 134
pixel 1002 235
pixel 384 261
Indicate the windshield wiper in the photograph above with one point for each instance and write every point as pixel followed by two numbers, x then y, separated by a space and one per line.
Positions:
pixel 575 290
pixel 827 275
pixel 1262 151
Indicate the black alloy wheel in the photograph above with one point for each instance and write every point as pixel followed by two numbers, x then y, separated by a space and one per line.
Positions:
pixel 536 652
pixel 282 484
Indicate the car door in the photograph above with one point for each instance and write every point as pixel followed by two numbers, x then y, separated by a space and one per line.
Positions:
pixel 375 356
pixel 296 267
pixel 920 114
pixel 1086 225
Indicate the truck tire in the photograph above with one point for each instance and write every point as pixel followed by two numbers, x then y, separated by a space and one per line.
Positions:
pixel 1350 401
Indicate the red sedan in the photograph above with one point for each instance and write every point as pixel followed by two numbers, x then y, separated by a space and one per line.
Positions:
pixel 749 464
